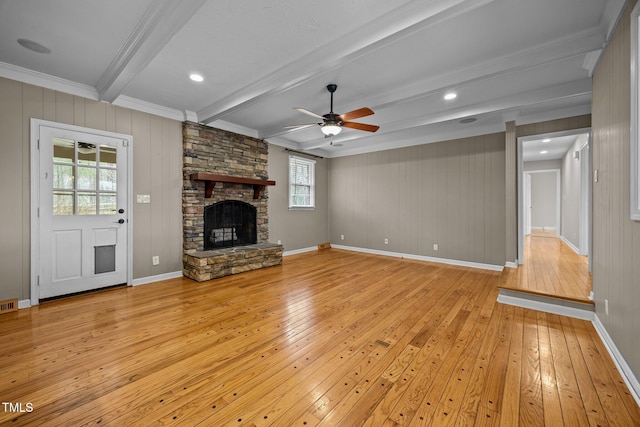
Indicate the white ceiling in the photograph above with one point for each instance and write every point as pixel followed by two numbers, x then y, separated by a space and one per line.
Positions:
pixel 535 149
pixel 517 60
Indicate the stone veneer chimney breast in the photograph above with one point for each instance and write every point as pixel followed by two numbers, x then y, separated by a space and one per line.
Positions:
pixel 220 152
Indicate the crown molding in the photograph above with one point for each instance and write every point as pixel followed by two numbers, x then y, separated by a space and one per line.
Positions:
pixel 35 78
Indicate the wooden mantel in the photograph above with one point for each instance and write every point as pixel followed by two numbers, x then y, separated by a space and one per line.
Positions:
pixel 210 182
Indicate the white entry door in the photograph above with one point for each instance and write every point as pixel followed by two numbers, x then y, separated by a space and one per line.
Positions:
pixel 83 210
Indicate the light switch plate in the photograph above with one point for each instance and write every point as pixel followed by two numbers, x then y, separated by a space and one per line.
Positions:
pixel 143 198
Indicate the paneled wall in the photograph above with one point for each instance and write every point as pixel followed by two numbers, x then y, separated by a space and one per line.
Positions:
pixel 296 229
pixel 157 166
pixel 616 238
pixel 450 193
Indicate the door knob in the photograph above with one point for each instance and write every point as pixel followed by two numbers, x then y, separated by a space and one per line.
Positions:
pixel 120 221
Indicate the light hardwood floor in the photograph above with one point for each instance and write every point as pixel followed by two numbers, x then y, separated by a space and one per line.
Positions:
pixel 551 268
pixel 333 338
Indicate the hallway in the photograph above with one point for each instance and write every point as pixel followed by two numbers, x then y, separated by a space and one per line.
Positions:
pixel 551 269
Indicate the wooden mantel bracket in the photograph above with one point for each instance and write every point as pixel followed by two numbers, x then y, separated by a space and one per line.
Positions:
pixel 210 182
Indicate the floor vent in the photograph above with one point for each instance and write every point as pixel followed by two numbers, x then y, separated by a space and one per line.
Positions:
pixel 8 306
pixel 382 343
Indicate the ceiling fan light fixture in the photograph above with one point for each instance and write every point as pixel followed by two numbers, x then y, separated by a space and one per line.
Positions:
pixel 330 129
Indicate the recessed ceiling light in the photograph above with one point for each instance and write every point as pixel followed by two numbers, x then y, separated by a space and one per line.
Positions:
pixel 467 120
pixel 546 140
pixel 33 46
pixel 449 96
pixel 196 77
pixel 544 152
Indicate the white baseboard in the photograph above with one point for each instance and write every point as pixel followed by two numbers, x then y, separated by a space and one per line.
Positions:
pixel 624 369
pixel 535 302
pixel 24 303
pixel 571 245
pixel 156 278
pixel 300 251
pixel 422 258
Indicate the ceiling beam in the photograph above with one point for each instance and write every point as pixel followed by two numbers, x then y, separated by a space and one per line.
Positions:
pixel 551 93
pixel 402 22
pixel 160 22
pixel 535 56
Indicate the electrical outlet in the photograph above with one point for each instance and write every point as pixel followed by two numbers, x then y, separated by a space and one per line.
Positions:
pixel 386 241
pixel 435 246
pixel 342 237
pixel 606 307
pixel 279 242
pixel 155 260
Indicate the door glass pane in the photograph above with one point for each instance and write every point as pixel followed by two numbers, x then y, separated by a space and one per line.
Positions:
pixel 107 204
pixel 63 150
pixel 86 178
pixel 63 177
pixel 107 156
pixel 108 181
pixel 63 203
pixel 86 153
pixel 87 203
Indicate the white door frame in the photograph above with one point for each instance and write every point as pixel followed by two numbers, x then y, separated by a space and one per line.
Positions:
pixel 35 197
pixel 520 174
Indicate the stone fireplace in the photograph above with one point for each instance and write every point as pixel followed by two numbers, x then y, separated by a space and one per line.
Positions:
pixel 224 204
pixel 229 223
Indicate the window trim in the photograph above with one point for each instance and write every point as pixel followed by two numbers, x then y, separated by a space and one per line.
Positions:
pixel 312 185
pixel 634 137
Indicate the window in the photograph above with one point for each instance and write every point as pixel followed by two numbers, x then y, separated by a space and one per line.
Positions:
pixel 301 182
pixel 84 178
pixel 634 139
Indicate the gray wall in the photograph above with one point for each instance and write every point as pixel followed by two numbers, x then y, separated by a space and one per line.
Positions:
pixel 157 165
pixel 296 229
pixel 544 193
pixel 616 238
pixel 571 168
pixel 451 193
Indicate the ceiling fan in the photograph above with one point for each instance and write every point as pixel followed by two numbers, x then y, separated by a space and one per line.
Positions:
pixel 333 123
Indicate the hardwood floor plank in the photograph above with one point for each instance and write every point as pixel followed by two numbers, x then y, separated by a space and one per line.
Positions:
pixel 573 411
pixel 552 412
pixel 531 403
pixel 551 268
pixel 328 338
pixel 510 407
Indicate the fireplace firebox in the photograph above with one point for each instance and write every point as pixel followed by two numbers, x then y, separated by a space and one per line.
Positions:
pixel 229 223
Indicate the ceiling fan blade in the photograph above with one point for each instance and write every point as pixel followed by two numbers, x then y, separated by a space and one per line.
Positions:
pixel 356 114
pixel 312 114
pixel 361 126
pixel 308 125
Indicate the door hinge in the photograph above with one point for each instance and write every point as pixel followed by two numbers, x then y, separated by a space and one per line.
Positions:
pixel 38 212
pixel 38 144
pixel 125 142
pixel 38 280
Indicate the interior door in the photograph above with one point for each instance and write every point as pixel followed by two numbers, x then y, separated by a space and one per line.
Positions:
pixel 82 211
pixel 527 204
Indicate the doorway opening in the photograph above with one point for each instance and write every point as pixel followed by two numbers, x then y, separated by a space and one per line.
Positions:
pixel 554 201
